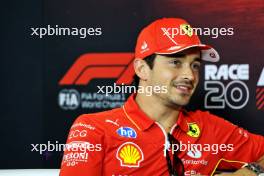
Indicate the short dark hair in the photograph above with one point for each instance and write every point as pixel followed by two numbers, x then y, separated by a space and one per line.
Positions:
pixel 150 61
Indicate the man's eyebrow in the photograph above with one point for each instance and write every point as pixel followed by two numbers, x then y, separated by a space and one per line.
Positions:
pixel 181 55
pixel 198 59
pixel 177 55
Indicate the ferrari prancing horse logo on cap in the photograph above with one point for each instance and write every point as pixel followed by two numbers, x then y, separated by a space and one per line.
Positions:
pixel 129 154
pixel 187 29
pixel 194 130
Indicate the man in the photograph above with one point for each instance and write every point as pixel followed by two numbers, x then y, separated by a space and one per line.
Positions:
pixel 152 135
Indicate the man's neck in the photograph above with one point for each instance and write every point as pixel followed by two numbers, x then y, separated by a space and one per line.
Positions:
pixel 156 110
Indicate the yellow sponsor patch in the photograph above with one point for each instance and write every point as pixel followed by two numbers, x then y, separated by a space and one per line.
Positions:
pixel 130 155
pixel 194 130
pixel 187 29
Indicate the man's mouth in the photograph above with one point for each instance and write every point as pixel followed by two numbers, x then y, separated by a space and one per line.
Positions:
pixel 184 88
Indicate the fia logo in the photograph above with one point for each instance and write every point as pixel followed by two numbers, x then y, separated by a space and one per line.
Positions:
pixel 69 99
pixel 127 132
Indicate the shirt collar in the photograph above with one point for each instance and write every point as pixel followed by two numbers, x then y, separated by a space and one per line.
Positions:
pixel 136 115
pixel 142 121
pixel 183 119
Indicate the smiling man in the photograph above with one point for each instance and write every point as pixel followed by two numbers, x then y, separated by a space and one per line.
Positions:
pixel 154 135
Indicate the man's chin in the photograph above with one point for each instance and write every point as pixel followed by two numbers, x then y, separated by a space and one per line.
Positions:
pixel 175 100
pixel 180 102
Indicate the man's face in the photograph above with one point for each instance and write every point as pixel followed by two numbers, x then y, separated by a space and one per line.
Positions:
pixel 179 73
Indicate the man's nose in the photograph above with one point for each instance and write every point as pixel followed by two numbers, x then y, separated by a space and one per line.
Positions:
pixel 187 73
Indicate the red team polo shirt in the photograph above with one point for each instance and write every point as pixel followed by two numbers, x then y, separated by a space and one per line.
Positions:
pixel 126 142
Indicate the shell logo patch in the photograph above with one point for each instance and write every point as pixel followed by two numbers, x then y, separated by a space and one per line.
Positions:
pixel 187 29
pixel 194 130
pixel 129 154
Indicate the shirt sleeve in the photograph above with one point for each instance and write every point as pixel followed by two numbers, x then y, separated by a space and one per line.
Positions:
pixel 83 153
pixel 243 145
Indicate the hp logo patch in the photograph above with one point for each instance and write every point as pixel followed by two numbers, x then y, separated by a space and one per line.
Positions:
pixel 127 132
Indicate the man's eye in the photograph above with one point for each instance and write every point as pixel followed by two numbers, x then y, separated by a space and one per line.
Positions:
pixel 176 62
pixel 196 66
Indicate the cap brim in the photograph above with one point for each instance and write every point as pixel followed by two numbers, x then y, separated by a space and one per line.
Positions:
pixel 208 53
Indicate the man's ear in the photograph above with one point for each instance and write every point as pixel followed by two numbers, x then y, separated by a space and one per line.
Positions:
pixel 141 69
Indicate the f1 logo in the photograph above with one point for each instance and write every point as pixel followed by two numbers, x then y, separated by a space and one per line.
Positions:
pixel 100 65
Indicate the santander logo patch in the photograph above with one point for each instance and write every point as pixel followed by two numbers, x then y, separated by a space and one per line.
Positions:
pixel 194 154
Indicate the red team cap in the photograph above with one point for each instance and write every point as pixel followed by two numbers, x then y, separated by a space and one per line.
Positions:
pixel 169 36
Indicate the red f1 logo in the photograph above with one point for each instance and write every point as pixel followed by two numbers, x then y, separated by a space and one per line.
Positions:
pixel 100 65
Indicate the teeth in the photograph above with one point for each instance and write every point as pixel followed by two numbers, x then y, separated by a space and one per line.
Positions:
pixel 183 87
